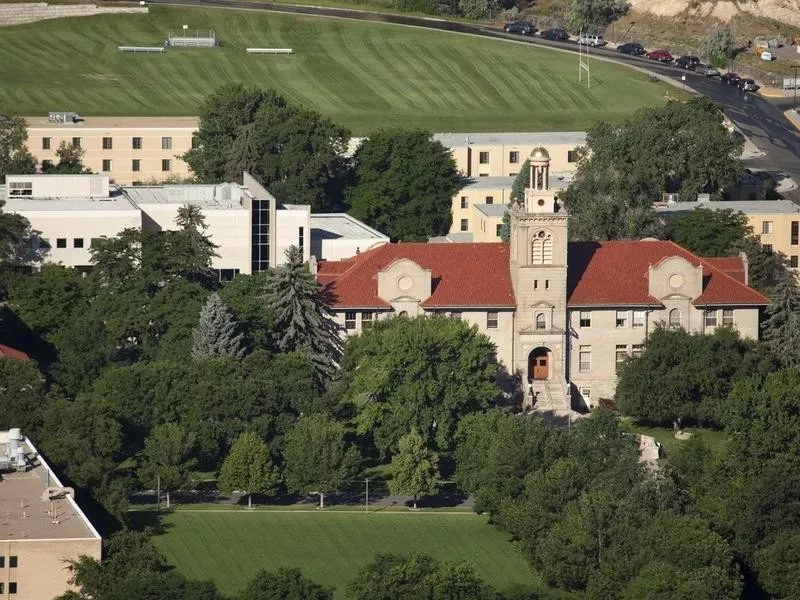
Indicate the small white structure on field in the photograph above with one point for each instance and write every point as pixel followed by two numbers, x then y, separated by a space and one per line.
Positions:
pixel 192 39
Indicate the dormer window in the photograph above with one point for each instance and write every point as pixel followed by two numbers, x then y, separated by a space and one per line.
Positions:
pixel 542 249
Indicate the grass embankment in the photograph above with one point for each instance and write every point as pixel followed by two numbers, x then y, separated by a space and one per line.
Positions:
pixel 330 547
pixel 364 75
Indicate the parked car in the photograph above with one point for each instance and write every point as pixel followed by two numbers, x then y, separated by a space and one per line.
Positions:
pixel 632 48
pixel 592 40
pixel 660 56
pixel 730 78
pixel 706 70
pixel 687 62
pixel 554 34
pixel 748 85
pixel 520 27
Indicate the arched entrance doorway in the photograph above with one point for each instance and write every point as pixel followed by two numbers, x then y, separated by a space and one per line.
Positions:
pixel 539 364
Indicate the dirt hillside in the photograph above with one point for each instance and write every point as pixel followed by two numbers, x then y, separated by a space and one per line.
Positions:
pixel 785 11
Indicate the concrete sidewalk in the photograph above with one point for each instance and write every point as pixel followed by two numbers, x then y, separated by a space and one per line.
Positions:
pixel 794 118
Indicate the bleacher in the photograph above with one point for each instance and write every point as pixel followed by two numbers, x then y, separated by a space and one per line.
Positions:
pixel 141 48
pixel 196 39
pixel 269 51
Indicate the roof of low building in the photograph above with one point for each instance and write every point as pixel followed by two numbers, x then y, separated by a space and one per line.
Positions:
pixel 159 123
pixel 533 138
pixel 492 210
pixel 463 275
pixel 749 207
pixel 9 352
pixel 342 225
pixel 208 196
pixel 615 273
pixel 21 205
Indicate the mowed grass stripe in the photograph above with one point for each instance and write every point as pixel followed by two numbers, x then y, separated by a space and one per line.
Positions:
pixel 364 75
pixel 230 547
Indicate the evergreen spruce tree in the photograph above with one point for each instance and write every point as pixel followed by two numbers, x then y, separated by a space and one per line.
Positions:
pixel 781 328
pixel 302 320
pixel 415 468
pixel 191 249
pixel 217 333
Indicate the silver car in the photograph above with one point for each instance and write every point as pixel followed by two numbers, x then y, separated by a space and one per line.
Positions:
pixel 706 70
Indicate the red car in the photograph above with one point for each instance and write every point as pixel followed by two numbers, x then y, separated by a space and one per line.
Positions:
pixel 660 56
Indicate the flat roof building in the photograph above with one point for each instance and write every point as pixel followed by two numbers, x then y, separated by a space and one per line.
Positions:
pixel 41 525
pixel 336 236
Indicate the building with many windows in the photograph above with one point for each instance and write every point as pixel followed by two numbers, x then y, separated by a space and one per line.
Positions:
pixel 562 315
pixel 41 527
pixel 126 149
pixel 775 222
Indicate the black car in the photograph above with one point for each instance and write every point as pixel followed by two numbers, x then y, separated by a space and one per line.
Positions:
pixel 730 78
pixel 748 85
pixel 520 27
pixel 632 48
pixel 554 34
pixel 687 62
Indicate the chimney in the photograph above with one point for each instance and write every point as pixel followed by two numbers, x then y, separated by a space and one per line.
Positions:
pixel 746 265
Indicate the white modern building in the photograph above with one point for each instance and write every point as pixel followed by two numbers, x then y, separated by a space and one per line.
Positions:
pixel 250 227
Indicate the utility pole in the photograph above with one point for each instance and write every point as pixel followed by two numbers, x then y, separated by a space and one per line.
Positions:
pixel 158 492
pixel 366 496
pixel 796 67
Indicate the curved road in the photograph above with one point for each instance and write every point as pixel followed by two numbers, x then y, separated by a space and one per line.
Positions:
pixel 760 120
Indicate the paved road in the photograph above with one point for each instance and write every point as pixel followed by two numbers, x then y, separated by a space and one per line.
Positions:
pixel 760 120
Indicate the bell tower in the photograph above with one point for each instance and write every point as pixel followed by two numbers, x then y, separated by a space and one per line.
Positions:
pixel 538 256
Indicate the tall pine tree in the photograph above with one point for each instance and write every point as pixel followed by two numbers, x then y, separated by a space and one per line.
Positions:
pixel 217 333
pixel 302 319
pixel 191 248
pixel 781 328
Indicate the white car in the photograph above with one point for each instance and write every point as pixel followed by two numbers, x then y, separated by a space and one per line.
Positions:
pixel 592 40
pixel 706 70
pixel 767 56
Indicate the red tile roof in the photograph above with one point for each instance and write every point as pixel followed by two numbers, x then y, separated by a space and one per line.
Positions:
pixel 615 274
pixel 9 352
pixel 464 275
pixel 732 265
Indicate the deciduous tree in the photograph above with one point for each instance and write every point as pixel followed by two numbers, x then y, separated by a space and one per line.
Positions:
pixel 709 232
pixel 14 156
pixel 415 468
pixel 585 15
pixel 70 161
pixel 248 468
pixel 217 333
pixel 284 584
pixel 718 47
pixel 317 458
pixel 168 458
pixel 404 182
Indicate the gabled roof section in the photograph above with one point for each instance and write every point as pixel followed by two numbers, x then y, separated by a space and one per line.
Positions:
pixel 463 275
pixel 615 273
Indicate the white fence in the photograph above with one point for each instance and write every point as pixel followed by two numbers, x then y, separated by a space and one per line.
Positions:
pixel 141 48
pixel 269 51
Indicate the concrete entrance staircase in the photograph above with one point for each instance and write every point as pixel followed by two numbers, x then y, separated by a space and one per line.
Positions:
pixel 549 399
pixel 30 12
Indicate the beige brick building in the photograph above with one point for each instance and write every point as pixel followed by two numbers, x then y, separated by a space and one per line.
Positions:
pixel 562 315
pixel 126 149
pixel 41 527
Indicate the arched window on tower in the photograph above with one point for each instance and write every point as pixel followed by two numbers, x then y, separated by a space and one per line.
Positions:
pixel 542 249
pixel 674 319
pixel 541 321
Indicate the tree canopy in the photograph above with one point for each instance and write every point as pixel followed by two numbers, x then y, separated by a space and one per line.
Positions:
pixel 415 468
pixel 709 232
pixel 15 159
pixel 70 161
pixel 294 152
pixel 217 333
pixel 403 184
pixel 248 468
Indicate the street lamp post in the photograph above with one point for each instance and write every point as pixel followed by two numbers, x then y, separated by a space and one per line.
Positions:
pixel 796 67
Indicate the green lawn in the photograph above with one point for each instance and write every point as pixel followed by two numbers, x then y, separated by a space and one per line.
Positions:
pixel 230 547
pixel 715 438
pixel 364 75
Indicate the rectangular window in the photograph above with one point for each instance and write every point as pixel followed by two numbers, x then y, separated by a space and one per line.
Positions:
pixel 767 248
pixel 2 561
pixel 166 165
pixel 46 143
pixel 106 165
pixel 766 227
pixel 2 588
pixel 13 561
pixel 499 230
pixel 727 316
pixel 76 142
pixel 456 314
pixel 585 319
pixel 711 317
pixel 464 201
pixel 489 199
pixel 464 224
pixel 77 243
pixel 46 165
pixel 585 359
pixel 166 143
pixel 639 317
pixel 637 350
pixel 586 394
pixel 795 232
pixel 350 320
pixel 136 165
pixel 260 235
pixel 483 174
pixel 793 261
pixel 136 143
pixel 195 142
pixel 513 157
pixel 228 274
pixel 107 143
pixel 367 320
pixel 12 587
pixel 301 238
pixel 20 188
pixel 483 158
pixel 491 320
pixel 547 284
pixel 620 354
pixel 622 318
pixel 61 242
pixel 572 156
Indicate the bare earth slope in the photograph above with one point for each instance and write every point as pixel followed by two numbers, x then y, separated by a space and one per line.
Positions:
pixel 785 11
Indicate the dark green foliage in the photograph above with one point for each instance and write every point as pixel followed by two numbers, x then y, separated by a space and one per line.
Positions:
pixel 19 245
pixel 709 232
pixel 593 15
pixel 415 468
pixel 780 329
pixel 248 468
pixel 23 395
pixel 417 577
pixel 14 156
pixel 683 375
pixel 778 565
pixel 682 147
pixel 70 161
pixel 294 152
pixel 403 184
pixel 191 249
pixel 246 296
pixel 284 584
pixel 168 458
pixel 426 373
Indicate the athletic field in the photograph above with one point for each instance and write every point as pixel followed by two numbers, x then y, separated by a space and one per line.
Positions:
pixel 364 75
pixel 231 546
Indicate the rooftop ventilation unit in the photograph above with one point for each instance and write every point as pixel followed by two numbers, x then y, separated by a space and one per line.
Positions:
pixel 63 117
